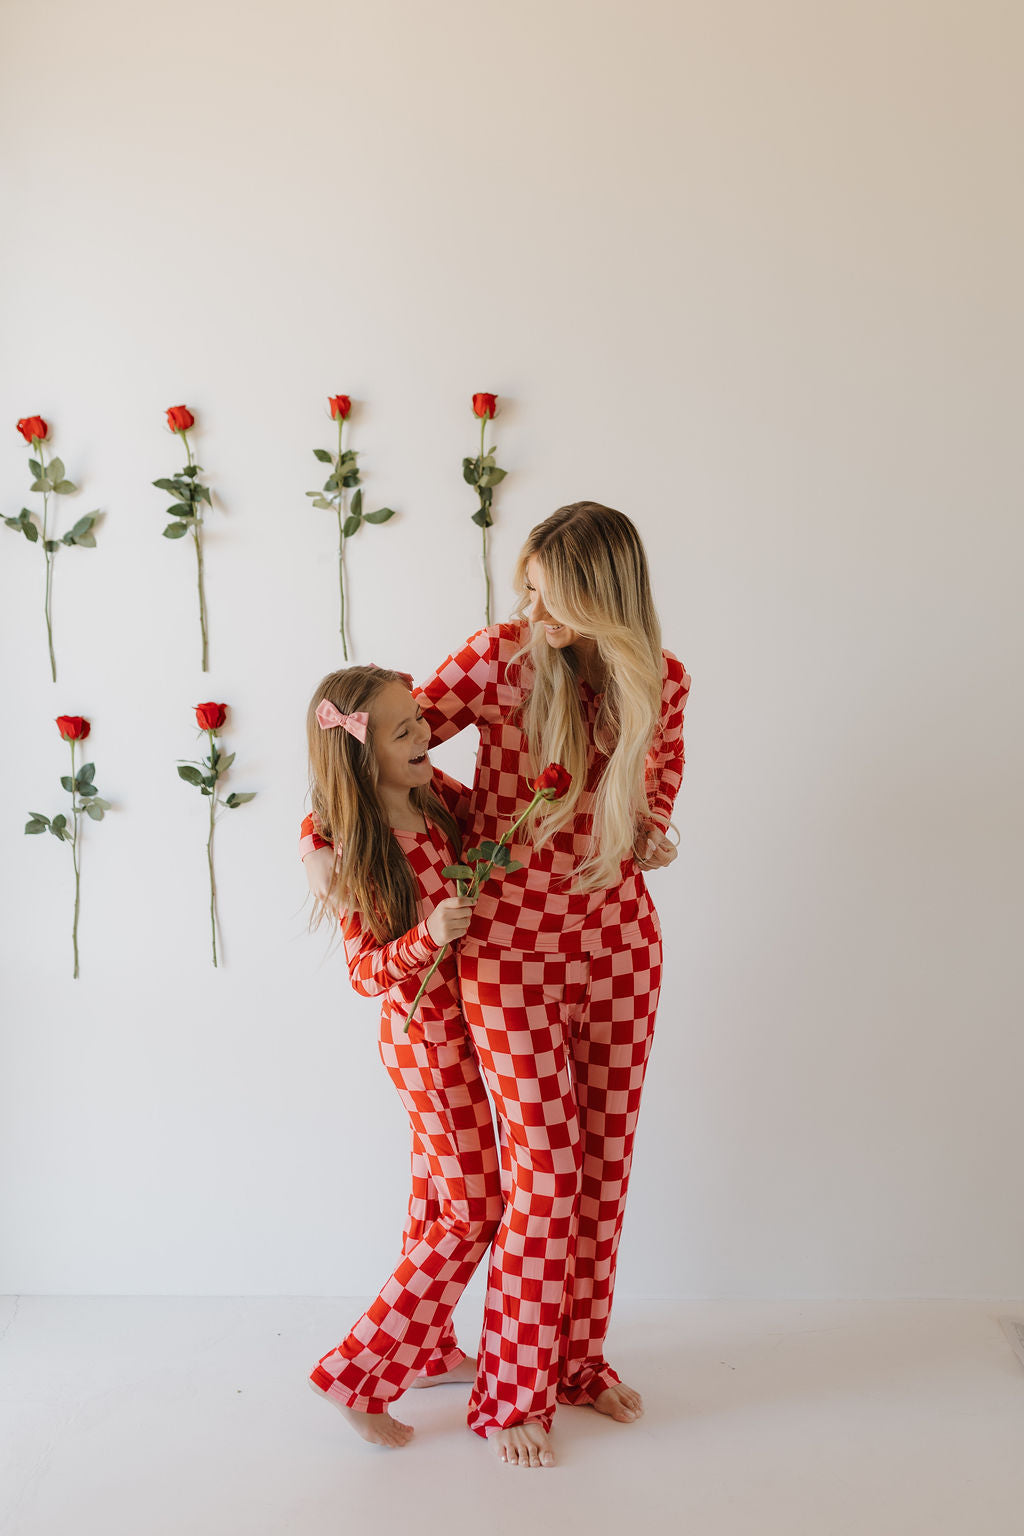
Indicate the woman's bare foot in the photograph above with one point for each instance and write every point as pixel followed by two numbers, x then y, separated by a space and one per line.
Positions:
pixel 378 1428
pixel 620 1402
pixel 464 1371
pixel 524 1445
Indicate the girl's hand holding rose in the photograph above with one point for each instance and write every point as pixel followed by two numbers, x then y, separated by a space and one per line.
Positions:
pixel 449 920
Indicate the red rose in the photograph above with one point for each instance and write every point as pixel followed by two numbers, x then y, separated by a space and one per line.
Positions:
pixel 553 782
pixel 340 406
pixel 32 427
pixel 180 418
pixel 73 727
pixel 485 405
pixel 211 716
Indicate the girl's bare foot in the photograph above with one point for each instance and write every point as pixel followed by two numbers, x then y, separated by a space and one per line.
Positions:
pixel 464 1371
pixel 378 1428
pixel 620 1402
pixel 524 1445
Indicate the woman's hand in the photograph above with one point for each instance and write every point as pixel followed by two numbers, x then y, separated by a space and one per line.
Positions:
pixel 319 867
pixel 653 850
pixel 449 919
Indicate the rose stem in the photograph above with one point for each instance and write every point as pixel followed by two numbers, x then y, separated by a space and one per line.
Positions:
pixel 197 525
pixel 49 570
pixel 74 855
pixel 209 851
pixel 483 557
pixel 341 540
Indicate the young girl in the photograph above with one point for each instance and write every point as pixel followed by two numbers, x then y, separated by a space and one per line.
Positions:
pixel 392 820
pixel 561 968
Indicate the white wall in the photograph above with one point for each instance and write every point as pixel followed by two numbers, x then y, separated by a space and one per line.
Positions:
pixel 749 271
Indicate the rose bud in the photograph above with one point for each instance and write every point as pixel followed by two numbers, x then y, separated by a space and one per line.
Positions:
pixel 485 406
pixel 553 782
pixel 211 716
pixel 33 428
pixel 73 727
pixel 340 406
pixel 180 418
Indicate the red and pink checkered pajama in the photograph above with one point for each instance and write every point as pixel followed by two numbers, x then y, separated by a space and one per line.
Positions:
pixel 456 1201
pixel 559 989
pixel 563 1042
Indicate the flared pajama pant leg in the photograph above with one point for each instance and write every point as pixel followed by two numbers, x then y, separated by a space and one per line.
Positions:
pixel 424 1209
pixel 517 1010
pixel 611 1043
pixel 403 1330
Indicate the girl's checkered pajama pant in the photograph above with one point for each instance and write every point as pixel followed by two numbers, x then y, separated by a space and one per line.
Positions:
pixel 563 1042
pixel 454 1210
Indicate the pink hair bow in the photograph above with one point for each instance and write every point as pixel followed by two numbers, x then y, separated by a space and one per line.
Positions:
pixel 328 717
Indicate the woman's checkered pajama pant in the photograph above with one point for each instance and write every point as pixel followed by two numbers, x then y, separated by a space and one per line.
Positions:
pixel 563 1043
pixel 454 1209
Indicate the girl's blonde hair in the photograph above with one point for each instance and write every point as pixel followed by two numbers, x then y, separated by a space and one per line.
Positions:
pixel 596 581
pixel 372 876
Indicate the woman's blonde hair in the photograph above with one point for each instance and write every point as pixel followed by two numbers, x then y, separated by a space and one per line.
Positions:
pixel 596 581
pixel 372 876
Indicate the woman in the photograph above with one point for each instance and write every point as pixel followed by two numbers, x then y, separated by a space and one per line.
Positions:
pixel 561 966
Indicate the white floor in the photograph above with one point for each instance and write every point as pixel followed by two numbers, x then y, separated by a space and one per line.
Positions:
pixel 147 1416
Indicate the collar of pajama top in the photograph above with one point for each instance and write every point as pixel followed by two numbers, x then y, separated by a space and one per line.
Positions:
pixel 536 908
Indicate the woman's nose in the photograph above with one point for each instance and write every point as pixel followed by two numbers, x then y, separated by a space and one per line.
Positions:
pixel 538 613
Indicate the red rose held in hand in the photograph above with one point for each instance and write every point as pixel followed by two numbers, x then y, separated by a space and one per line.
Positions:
pixel 340 406
pixel 180 418
pixel 32 427
pixel 211 716
pixel 485 406
pixel 73 727
pixel 553 782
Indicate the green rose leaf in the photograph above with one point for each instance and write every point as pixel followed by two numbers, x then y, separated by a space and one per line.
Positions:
pixel 331 484
pixel 381 516
pixel 181 509
pixel 190 775
pixel 55 470
pixel 350 526
pixel 502 856
pixel 349 458
pixel 30 531
pixel 191 471
pixel 471 855
pixel 36 826
pixel 42 484
pixel 86 791
pixel 457 872
pixel 349 480
pixel 471 471
pixel 510 869
pixel 175 530
pixel 323 456
pixel 68 783
pixel 483 518
pixel 65 487
pixel 87 772
pixel 95 809
pixel 86 541
pixel 492 477
pixel 234 800
pixel 203 494
pixel 357 504
pixel 321 501
pixel 58 823
pixel 35 466
pixel 167 485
